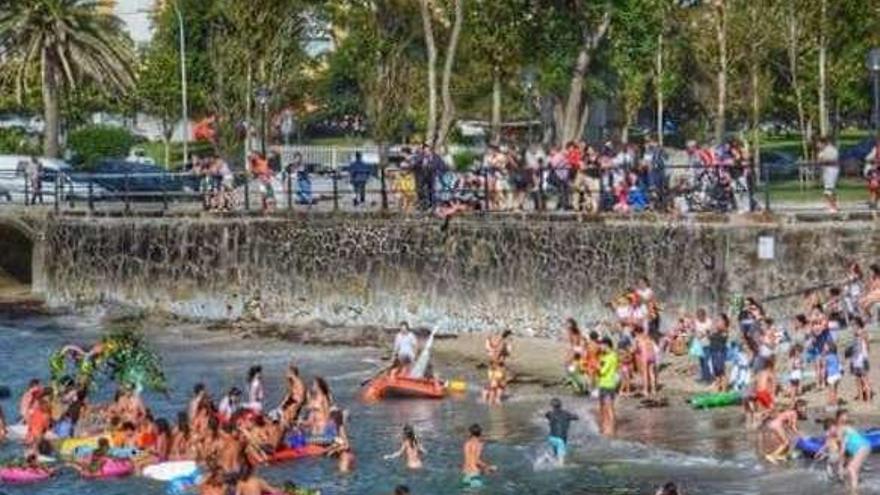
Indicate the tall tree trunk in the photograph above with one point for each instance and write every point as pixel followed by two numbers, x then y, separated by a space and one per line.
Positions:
pixel 721 39
pixel 574 105
pixel 624 127
pixel 793 45
pixel 756 109
pixel 585 119
pixel 755 82
pixel 658 86
pixel 823 65
pixel 51 112
pixel 248 112
pixel 496 105
pixel 431 47
pixel 448 115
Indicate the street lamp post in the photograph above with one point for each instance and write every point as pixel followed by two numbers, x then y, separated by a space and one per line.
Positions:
pixel 262 95
pixel 529 77
pixel 183 95
pixel 873 64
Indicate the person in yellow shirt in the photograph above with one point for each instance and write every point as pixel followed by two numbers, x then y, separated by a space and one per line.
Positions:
pixel 609 380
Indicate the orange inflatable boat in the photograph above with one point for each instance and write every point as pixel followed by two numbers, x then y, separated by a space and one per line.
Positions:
pixel 384 387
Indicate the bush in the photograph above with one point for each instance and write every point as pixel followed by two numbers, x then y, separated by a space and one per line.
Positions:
pixel 94 143
pixel 464 160
pixel 17 142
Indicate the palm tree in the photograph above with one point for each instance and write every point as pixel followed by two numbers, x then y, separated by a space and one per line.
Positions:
pixel 69 41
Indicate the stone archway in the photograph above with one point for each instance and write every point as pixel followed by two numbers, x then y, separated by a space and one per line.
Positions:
pixel 16 256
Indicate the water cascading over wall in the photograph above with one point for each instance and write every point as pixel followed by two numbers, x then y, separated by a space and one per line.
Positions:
pixel 525 274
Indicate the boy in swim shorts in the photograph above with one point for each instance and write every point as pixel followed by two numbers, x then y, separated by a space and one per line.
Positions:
pixel 559 420
pixel 474 466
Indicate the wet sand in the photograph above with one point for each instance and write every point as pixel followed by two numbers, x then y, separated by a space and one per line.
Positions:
pixel 540 361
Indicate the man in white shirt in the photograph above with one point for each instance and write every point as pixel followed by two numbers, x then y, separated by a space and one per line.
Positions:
pixel 829 159
pixel 405 344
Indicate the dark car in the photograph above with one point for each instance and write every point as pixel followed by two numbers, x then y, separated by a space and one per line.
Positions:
pixel 137 180
pixel 780 165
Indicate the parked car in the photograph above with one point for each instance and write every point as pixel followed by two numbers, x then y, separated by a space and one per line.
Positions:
pixel 138 180
pixel 780 165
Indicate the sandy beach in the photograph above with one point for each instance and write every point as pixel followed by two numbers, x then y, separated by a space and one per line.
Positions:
pixel 540 361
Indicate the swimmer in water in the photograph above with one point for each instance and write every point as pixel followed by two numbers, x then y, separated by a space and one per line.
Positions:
pixel 341 446
pixel 783 427
pixel 559 420
pixel 474 467
pixel 411 449
pixel 249 484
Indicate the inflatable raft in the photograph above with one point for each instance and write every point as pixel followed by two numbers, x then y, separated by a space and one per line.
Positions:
pixel 385 387
pixel 290 454
pixel 715 399
pixel 70 446
pixel 811 445
pixel 111 468
pixel 23 475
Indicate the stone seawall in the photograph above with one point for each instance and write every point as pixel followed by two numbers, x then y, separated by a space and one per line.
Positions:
pixel 524 273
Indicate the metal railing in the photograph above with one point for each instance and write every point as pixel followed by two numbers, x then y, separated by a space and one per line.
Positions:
pixel 674 189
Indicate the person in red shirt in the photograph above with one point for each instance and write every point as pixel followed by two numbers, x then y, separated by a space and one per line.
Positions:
pixel 39 420
pixel 29 398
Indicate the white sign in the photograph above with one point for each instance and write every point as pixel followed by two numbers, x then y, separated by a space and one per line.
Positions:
pixel 766 247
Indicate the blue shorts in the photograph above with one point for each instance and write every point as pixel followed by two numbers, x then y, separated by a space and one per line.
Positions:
pixel 558 446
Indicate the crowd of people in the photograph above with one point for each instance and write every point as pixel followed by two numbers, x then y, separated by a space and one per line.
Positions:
pixel 772 366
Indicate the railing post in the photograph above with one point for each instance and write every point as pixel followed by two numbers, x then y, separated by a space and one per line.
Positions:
pixel 486 187
pixel 57 198
pixel 125 197
pixel 290 189
pixel 384 189
pixel 91 194
pixel 335 185
pixel 70 196
pixel 27 195
pixel 162 179
pixel 540 179
pixel 247 192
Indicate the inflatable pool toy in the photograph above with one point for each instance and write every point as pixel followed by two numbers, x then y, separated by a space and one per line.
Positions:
pixel 68 447
pixel 169 471
pixel 17 432
pixel 180 475
pixel 811 445
pixel 385 387
pixel 111 468
pixel 115 452
pixel 290 454
pixel 457 386
pixel 22 475
pixel 715 399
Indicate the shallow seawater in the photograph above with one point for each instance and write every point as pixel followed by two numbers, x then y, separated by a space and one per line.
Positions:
pixel 706 452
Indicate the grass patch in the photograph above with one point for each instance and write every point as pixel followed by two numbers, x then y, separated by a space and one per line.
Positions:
pixel 791 143
pixel 849 190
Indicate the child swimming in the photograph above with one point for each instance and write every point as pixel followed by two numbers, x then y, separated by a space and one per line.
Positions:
pixel 474 467
pixel 411 449
pixel 559 420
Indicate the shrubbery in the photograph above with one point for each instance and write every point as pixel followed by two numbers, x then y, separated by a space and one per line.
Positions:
pixel 94 143
pixel 17 142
